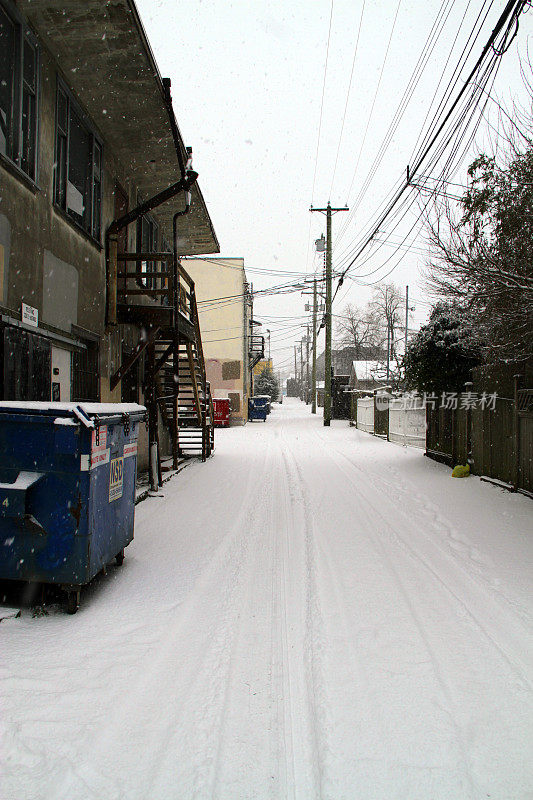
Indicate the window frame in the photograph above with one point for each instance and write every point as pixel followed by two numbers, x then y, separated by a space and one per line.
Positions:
pixel 147 283
pixel 85 372
pixel 23 35
pixel 62 162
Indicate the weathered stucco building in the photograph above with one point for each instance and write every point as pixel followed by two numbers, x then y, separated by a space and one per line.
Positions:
pixel 231 349
pixel 87 132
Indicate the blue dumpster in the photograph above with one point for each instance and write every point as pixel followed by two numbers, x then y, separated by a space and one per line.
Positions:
pixel 256 410
pixel 264 400
pixel 67 490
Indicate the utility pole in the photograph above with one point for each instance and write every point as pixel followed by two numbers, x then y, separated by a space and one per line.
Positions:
pixel 328 211
pixel 307 368
pixel 388 350
pixel 302 397
pixel 313 371
pixel 406 316
pixel 295 368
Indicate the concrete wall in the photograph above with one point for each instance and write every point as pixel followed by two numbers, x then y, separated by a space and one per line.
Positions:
pixel 49 263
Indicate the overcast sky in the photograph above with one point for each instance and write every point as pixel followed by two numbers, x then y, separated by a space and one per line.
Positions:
pixel 250 98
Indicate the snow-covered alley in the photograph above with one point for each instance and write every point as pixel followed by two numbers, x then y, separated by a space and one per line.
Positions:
pixel 313 613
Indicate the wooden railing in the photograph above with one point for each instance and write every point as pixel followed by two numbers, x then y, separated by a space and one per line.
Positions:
pixel 150 282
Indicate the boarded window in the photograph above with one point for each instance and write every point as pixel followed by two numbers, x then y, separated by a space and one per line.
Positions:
pixel 231 370
pixel 234 401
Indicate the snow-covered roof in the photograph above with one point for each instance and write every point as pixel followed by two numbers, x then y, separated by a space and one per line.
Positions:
pixel 368 370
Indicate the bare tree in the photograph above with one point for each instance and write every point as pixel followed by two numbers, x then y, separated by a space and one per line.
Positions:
pixel 387 305
pixel 360 329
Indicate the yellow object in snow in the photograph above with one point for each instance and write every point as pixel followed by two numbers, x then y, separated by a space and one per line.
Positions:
pixel 461 472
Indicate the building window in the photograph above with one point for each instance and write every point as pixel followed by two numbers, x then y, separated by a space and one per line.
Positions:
pixel 85 373
pixel 18 91
pixel 78 168
pixel 147 242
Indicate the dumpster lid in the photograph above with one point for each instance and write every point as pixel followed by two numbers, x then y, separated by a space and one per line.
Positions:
pixel 85 412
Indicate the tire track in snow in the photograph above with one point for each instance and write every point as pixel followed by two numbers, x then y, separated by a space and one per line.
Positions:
pixel 313 640
pixel 449 706
pixel 334 585
pixel 280 597
pixel 266 595
pixel 457 544
pixel 194 687
pixel 372 513
pixel 484 600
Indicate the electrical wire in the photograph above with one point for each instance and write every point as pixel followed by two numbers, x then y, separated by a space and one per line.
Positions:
pixel 375 95
pixel 322 103
pixel 423 58
pixel 347 98
pixel 510 15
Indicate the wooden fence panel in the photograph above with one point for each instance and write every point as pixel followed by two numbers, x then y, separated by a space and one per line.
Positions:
pixel 480 440
pixel 381 416
pixel 525 464
pixel 493 447
pixel 502 440
pixel 365 414
pixel 439 441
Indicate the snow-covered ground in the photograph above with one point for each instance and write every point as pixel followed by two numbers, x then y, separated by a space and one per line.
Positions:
pixel 314 613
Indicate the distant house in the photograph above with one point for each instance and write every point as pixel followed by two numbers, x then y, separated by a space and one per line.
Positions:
pixel 232 350
pixel 367 375
pixel 342 359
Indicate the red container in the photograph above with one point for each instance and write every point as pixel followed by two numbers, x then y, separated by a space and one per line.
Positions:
pixel 221 408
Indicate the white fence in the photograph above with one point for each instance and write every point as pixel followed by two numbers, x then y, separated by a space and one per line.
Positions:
pixel 407 421
pixel 365 414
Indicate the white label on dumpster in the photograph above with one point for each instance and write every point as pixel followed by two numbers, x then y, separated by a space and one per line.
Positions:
pixel 130 449
pixel 99 458
pixel 102 440
pixel 116 474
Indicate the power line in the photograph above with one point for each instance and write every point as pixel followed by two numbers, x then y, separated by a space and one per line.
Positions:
pixel 375 96
pixel 347 97
pixel 423 59
pixel 322 103
pixel 510 14
pixel 411 86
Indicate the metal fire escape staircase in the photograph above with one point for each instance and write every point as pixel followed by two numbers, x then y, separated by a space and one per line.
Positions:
pixel 158 296
pixel 183 366
pixel 153 292
pixel 256 350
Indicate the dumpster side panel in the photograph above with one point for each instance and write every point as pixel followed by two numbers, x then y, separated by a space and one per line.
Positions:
pixel 42 542
pixel 112 504
pixel 67 489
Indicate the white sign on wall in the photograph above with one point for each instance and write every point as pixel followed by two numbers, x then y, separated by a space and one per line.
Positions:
pixel 30 315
